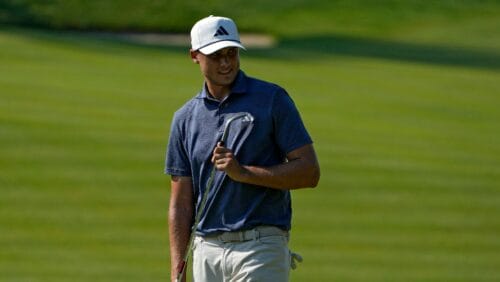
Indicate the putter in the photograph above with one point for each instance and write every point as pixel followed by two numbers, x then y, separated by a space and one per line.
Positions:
pixel 181 267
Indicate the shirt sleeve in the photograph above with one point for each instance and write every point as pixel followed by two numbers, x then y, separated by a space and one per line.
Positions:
pixel 177 161
pixel 290 132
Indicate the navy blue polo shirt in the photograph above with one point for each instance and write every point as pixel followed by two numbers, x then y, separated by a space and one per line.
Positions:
pixel 277 129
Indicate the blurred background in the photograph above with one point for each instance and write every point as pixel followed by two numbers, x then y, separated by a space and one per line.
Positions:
pixel 400 97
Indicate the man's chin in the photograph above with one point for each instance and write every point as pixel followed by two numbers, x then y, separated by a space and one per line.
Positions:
pixel 227 79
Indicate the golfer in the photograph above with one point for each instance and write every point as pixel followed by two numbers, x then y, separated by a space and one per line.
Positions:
pixel 243 230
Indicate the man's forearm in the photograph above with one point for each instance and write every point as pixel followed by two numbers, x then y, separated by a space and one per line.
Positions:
pixel 294 174
pixel 179 231
pixel 300 171
pixel 180 218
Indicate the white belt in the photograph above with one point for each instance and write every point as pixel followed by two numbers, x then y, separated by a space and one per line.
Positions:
pixel 248 235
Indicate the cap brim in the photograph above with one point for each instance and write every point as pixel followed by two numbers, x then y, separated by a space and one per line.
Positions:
pixel 207 50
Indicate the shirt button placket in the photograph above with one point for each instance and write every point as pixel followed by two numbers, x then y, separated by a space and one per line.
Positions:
pixel 221 119
pixel 220 113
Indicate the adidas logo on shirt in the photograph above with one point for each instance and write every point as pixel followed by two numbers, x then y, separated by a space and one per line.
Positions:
pixel 221 31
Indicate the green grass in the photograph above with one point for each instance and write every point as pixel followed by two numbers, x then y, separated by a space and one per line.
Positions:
pixel 408 143
pixel 450 22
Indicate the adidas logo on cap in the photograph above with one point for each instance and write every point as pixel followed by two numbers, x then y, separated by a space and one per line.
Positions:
pixel 221 31
pixel 214 33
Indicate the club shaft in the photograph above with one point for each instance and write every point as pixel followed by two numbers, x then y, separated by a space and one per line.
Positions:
pixel 183 264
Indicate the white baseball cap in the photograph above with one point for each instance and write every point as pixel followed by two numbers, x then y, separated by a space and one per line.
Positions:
pixel 214 33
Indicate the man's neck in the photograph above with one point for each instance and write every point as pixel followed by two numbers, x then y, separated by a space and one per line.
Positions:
pixel 218 92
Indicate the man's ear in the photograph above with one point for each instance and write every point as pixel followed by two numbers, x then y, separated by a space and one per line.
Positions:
pixel 194 55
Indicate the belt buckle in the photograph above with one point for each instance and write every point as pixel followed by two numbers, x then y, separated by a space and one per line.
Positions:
pixel 224 237
pixel 239 236
pixel 256 234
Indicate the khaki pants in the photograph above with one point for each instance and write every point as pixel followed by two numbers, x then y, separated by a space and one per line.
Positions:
pixel 262 258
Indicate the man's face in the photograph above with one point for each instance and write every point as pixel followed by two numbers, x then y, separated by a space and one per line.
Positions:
pixel 219 68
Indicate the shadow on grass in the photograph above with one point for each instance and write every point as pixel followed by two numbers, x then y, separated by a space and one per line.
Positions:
pixel 339 45
pixel 296 48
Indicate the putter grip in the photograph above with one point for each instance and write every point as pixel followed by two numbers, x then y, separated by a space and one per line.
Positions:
pixel 180 268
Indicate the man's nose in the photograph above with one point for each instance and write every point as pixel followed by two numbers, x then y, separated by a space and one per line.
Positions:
pixel 224 60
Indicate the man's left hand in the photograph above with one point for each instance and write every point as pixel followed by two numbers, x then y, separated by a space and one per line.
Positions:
pixel 224 160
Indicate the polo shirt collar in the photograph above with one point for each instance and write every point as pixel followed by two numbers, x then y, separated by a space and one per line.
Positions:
pixel 239 86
